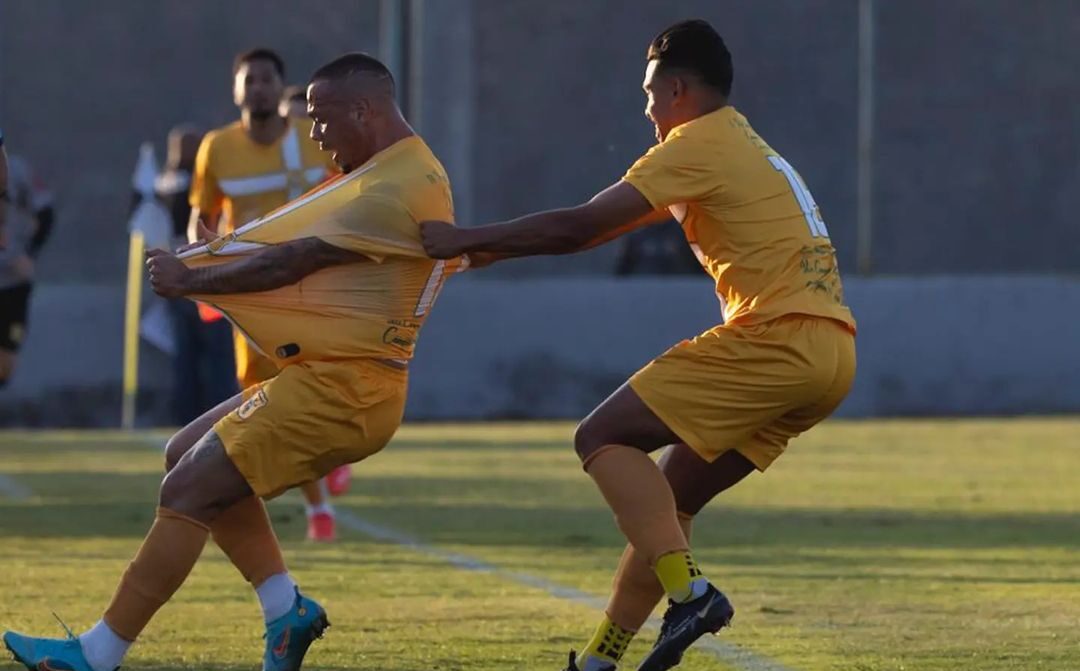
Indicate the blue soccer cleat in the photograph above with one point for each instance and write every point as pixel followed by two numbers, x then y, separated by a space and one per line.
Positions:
pixel 47 654
pixel 289 637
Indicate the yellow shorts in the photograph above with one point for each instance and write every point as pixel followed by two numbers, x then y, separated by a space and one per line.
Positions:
pixel 311 418
pixel 750 388
pixel 251 366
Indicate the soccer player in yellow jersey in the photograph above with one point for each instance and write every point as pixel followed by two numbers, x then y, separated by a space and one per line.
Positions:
pixel 245 170
pixel 727 402
pixel 335 287
pixel 321 521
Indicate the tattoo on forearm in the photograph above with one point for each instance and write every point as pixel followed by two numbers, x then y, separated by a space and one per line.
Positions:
pixel 274 267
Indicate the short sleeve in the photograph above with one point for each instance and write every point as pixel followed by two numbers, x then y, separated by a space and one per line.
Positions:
pixel 675 171
pixel 205 193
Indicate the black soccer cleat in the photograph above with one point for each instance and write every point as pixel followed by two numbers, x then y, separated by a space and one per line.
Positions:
pixel 685 623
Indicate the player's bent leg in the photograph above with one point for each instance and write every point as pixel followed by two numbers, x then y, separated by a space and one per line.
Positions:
pixel 613 443
pixel 243 531
pixel 621 419
pixel 207 486
pixel 186 438
pixel 636 589
pixel 695 482
pixel 274 441
pixel 203 483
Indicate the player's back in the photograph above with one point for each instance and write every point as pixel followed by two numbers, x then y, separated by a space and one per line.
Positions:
pixel 749 218
pixel 366 309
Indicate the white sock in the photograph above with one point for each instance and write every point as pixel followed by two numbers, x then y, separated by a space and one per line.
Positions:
pixel 276 596
pixel 323 507
pixel 591 663
pixel 698 587
pixel 103 648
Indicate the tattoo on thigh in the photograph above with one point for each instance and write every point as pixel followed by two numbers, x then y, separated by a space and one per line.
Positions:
pixel 206 447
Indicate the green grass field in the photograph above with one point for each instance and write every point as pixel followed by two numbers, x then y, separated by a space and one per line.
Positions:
pixel 915 545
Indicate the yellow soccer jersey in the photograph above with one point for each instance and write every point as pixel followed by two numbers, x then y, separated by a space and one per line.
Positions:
pixel 367 309
pixel 243 180
pixel 749 218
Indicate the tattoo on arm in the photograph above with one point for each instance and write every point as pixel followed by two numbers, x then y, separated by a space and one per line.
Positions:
pixel 274 267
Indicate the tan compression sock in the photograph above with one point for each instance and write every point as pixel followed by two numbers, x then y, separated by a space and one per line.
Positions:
pixel 244 534
pixel 641 498
pixel 168 553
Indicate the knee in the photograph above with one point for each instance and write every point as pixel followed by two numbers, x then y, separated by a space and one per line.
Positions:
pixel 173 489
pixel 589 437
pixel 181 441
pixel 174 449
pixel 181 494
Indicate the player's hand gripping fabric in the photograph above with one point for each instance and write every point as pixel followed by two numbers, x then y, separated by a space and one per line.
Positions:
pixel 442 240
pixel 168 274
pixel 205 235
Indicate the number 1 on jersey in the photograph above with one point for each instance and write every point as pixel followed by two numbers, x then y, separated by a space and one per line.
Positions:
pixel 802 195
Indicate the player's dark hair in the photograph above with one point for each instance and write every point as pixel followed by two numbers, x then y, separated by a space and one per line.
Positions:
pixel 694 46
pixel 260 54
pixel 354 63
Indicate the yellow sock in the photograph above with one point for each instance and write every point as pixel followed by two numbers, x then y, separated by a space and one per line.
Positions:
pixel 680 576
pixel 606 647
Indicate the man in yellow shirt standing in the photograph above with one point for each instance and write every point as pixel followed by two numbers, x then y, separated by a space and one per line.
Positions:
pixel 727 402
pixel 245 170
pixel 335 287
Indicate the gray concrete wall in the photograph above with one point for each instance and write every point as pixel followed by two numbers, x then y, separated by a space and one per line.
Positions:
pixel 542 348
pixel 83 84
pixel 537 104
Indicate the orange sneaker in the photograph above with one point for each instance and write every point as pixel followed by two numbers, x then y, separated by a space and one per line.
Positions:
pixel 321 528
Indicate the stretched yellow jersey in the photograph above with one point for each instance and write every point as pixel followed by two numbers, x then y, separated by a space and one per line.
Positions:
pixel 749 218
pixel 243 180
pixel 358 310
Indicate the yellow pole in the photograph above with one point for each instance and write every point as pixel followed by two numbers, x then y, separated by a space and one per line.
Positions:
pixel 132 312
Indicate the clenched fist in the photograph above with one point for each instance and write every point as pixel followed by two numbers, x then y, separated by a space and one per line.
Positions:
pixel 168 274
pixel 442 240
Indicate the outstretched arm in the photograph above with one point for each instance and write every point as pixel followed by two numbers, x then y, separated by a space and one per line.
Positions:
pixel 277 266
pixel 614 211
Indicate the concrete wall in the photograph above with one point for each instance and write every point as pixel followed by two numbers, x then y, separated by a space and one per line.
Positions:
pixel 555 348
pixel 534 105
pixel 83 84
pixel 537 104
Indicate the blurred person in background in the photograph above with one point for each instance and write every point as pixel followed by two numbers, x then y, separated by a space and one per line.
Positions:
pixel 243 171
pixel 25 224
pixel 294 104
pixel 204 364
